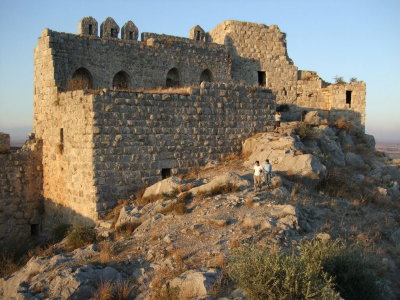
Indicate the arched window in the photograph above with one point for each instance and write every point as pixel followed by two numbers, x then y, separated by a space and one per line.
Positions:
pixel 173 78
pixel 81 80
pixel 121 81
pixel 206 75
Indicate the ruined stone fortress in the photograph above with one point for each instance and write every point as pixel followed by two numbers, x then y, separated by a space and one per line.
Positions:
pixel 103 127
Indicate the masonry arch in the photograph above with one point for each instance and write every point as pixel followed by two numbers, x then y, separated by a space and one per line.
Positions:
pixel 173 78
pixel 81 80
pixel 121 81
pixel 206 76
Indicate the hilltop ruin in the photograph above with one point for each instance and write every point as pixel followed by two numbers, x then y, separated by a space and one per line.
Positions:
pixel 103 128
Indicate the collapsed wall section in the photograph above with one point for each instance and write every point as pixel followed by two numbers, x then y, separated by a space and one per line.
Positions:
pixel 20 192
pixel 259 56
pixel 146 64
pixel 140 137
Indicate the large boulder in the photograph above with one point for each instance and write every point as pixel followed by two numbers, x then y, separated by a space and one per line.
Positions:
pixel 165 186
pixel 354 160
pixel 221 180
pixel 315 118
pixel 332 149
pixel 195 284
pixel 283 152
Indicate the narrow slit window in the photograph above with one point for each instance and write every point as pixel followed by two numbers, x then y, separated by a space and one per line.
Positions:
pixel 165 173
pixel 90 29
pixel 61 135
pixel 348 98
pixel 262 79
pixel 131 35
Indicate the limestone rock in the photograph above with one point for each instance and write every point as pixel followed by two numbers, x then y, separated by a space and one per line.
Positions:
pixel 280 192
pixel 164 186
pixel 282 153
pixel 331 148
pixel 354 160
pixel 227 178
pixel 315 118
pixel 195 284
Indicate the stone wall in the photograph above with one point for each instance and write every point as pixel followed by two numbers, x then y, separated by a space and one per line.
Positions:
pixel 68 184
pixel 145 63
pixel 314 93
pixel 138 134
pixel 257 47
pixel 20 192
pixel 116 142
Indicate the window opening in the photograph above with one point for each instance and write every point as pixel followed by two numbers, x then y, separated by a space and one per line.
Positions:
pixel 348 98
pixel 206 75
pixel 35 229
pixel 173 78
pixel 131 35
pixel 198 35
pixel 114 33
pixel 261 78
pixel 165 173
pixel 90 29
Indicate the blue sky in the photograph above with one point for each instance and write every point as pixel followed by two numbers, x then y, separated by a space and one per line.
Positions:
pixel 346 38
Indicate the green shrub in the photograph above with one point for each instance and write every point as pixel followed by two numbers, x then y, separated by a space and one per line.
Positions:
pixel 80 235
pixel 349 268
pixel 321 270
pixel 264 274
pixel 306 131
pixel 60 232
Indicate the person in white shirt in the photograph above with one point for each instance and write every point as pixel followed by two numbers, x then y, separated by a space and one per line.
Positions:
pixel 258 171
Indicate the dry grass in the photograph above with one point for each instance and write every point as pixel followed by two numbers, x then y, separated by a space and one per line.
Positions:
pixel 343 124
pixel 222 189
pixel 106 252
pixel 234 243
pixel 114 213
pixel 218 261
pixel 163 90
pixel 126 229
pixel 178 207
pixel 146 200
pixel 120 290
pixel 104 291
pixel 38 288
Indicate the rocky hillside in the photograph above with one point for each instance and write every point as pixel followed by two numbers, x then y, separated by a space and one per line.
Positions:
pixel 178 239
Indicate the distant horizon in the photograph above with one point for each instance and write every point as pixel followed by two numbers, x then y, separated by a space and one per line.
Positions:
pixel 18 135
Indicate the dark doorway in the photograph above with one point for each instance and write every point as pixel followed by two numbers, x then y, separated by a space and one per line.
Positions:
pixel 35 229
pixel 348 98
pixel 165 173
pixel 262 79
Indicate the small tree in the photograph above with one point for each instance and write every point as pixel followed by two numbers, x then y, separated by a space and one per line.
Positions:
pixel 339 79
pixel 353 79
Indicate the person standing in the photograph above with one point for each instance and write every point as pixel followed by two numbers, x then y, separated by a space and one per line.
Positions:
pixel 277 117
pixel 258 170
pixel 267 168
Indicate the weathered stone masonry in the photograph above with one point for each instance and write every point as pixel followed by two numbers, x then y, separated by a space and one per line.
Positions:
pixel 104 130
pixel 20 190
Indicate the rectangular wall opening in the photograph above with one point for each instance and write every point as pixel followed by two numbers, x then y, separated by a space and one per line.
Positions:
pixel 348 98
pixel 262 79
pixel 90 29
pixel 35 229
pixel 165 173
pixel 131 35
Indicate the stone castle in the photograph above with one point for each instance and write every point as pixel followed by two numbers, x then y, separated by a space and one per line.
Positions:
pixel 104 126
